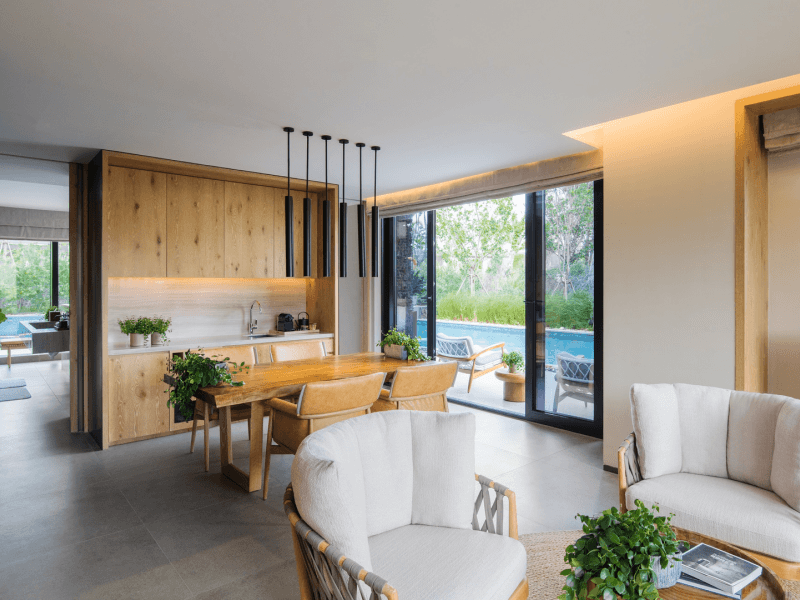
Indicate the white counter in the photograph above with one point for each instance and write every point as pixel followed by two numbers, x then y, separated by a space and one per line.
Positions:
pixel 215 342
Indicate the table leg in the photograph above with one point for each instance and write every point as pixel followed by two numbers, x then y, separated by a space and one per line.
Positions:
pixel 9 358
pixel 225 442
pixel 250 481
pixel 256 439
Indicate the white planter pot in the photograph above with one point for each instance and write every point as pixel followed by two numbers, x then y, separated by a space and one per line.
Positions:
pixel 136 340
pixel 512 368
pixel 396 351
pixel 156 339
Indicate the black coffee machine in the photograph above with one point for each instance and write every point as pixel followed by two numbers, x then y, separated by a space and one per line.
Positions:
pixel 285 322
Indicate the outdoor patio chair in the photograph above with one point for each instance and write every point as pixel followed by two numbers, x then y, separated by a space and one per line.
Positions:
pixel 472 359
pixel 574 378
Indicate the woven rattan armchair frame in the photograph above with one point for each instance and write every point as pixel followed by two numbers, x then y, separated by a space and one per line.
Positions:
pixel 473 374
pixel 325 573
pixel 629 474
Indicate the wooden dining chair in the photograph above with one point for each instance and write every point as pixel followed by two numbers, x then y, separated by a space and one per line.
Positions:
pixel 298 351
pixel 235 355
pixel 423 387
pixel 320 404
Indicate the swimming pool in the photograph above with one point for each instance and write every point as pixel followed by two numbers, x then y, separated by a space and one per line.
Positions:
pixel 485 334
pixel 13 324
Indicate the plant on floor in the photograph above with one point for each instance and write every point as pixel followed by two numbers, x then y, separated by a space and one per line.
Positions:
pixel 195 370
pixel 514 361
pixel 398 338
pixel 617 555
pixel 161 326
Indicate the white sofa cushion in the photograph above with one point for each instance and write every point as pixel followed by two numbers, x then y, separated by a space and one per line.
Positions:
pixel 384 440
pixel 751 436
pixel 729 510
pixel 703 415
pixel 328 484
pixel 436 563
pixel 444 468
pixel 785 476
pixel 654 410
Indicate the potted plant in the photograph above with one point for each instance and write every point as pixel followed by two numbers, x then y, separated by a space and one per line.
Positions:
pixel 514 361
pixel 630 556
pixel 49 317
pixel 193 371
pixel 2 316
pixel 397 344
pixel 130 327
pixel 160 327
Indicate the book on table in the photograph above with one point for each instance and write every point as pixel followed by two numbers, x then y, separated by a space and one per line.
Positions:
pixel 719 569
pixel 701 585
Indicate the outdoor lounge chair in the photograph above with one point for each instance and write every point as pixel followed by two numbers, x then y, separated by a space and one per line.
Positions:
pixel 472 359
pixel 575 378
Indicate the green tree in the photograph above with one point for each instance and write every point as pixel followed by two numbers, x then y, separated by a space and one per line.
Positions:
pixel 569 229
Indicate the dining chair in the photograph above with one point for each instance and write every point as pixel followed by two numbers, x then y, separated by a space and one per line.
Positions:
pixel 236 356
pixel 423 387
pixel 320 404
pixel 298 351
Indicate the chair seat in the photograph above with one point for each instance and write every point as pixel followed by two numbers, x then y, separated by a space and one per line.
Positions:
pixel 441 563
pixel 731 511
pixel 484 361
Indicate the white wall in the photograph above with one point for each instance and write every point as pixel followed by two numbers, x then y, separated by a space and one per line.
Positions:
pixel 784 270
pixel 351 321
pixel 669 250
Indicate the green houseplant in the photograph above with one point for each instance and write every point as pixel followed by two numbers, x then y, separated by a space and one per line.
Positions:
pixel 136 328
pixel 193 371
pixel 160 327
pixel 48 311
pixel 513 360
pixel 2 316
pixel 621 555
pixel 397 344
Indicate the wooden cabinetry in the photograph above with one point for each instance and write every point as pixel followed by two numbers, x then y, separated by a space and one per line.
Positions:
pixel 249 231
pixel 195 227
pixel 137 403
pixel 135 220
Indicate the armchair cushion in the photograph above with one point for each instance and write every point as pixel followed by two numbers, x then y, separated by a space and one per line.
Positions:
pixel 751 436
pixel 436 563
pixel 491 358
pixel 785 476
pixel 725 509
pixel 654 409
pixel 703 415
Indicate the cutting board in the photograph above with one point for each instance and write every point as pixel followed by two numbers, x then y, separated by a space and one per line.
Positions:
pixel 291 333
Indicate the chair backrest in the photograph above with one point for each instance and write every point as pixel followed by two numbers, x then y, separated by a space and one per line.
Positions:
pixel 454 347
pixel 423 380
pixel 572 368
pixel 298 351
pixel 327 397
pixel 235 354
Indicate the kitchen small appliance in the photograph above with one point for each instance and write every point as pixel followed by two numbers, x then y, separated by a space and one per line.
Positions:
pixel 302 324
pixel 285 322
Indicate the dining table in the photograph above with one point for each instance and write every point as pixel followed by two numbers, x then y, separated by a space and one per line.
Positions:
pixel 280 380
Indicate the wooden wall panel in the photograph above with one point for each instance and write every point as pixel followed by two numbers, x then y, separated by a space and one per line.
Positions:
pixel 195 227
pixel 135 219
pixel 249 225
pixel 137 404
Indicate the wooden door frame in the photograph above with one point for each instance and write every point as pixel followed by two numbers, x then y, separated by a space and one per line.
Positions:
pixel 752 237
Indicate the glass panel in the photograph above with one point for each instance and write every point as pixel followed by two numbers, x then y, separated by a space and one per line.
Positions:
pixel 63 276
pixel 24 284
pixel 569 302
pixel 480 287
pixel 411 276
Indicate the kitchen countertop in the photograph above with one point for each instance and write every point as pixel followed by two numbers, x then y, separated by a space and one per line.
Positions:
pixel 214 342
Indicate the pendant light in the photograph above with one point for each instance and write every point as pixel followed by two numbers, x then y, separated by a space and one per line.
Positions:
pixel 343 222
pixel 362 220
pixel 326 220
pixel 376 218
pixel 289 208
pixel 307 219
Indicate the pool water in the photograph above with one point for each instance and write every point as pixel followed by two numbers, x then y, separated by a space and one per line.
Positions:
pixel 484 334
pixel 12 326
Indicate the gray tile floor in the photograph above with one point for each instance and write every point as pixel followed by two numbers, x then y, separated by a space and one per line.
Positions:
pixel 144 521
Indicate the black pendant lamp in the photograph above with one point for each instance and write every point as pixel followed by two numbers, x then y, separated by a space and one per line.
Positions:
pixel 326 220
pixel 362 220
pixel 289 208
pixel 307 219
pixel 343 222
pixel 376 218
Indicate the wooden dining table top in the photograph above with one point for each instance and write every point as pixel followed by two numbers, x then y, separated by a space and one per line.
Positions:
pixel 262 382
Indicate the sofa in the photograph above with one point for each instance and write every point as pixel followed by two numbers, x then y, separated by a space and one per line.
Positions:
pixel 383 506
pixel 726 463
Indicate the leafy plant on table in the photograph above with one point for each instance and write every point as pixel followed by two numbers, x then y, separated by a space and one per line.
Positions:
pixel 161 326
pixel 514 359
pixel 616 553
pixel 195 370
pixel 398 338
pixel 128 325
pixel 47 312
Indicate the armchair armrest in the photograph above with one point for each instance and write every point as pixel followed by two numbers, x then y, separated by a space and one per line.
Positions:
pixel 485 350
pixel 290 408
pixel 494 510
pixel 627 467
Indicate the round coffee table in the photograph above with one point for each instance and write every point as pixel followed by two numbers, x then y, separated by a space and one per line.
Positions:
pixel 513 385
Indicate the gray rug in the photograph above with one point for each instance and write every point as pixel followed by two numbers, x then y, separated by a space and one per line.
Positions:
pixel 11 383
pixel 19 393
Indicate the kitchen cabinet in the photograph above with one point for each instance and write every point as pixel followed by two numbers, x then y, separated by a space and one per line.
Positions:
pixel 137 400
pixel 195 227
pixel 135 221
pixel 249 230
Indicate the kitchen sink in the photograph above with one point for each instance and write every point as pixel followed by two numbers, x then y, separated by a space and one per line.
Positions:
pixel 260 335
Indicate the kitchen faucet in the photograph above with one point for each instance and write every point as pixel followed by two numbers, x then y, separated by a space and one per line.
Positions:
pixel 254 324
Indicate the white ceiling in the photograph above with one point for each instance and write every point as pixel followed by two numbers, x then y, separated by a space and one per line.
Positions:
pixel 36 184
pixel 448 88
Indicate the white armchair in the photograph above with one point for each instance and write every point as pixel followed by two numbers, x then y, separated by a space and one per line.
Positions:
pixel 384 509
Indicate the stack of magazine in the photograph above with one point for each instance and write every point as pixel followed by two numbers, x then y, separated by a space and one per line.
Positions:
pixel 707 568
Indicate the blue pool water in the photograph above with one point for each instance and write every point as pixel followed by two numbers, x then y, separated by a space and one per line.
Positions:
pixel 13 324
pixel 486 335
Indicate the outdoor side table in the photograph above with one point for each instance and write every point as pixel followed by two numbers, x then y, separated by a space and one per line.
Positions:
pixel 513 385
pixel 12 344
